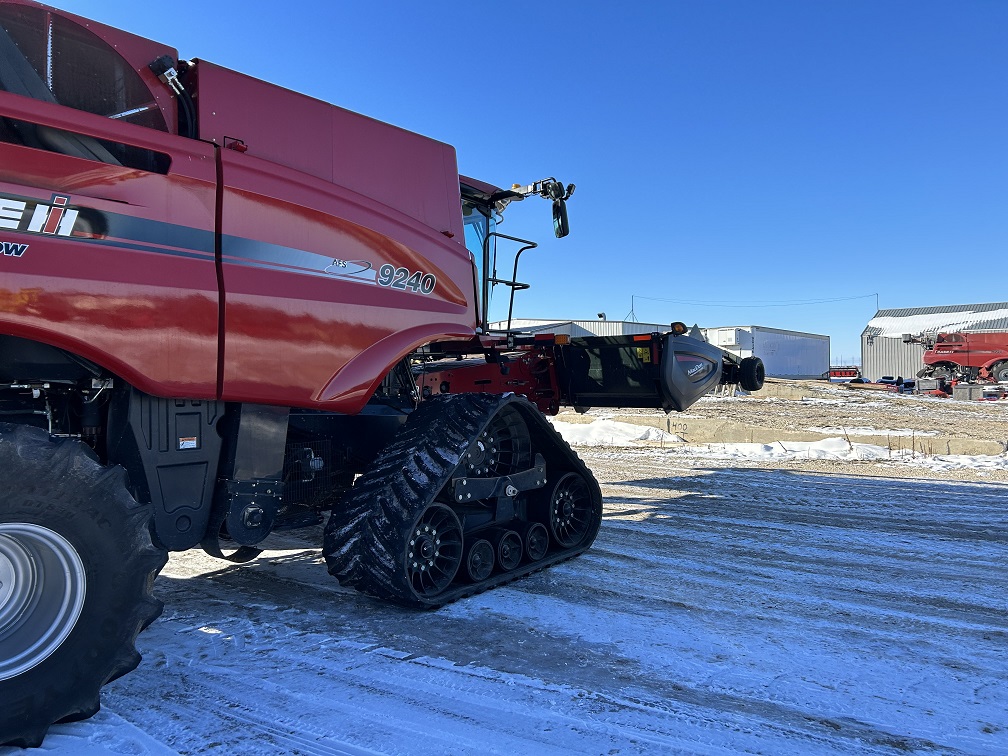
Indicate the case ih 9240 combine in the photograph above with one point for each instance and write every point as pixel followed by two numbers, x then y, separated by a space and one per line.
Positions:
pixel 227 308
pixel 963 355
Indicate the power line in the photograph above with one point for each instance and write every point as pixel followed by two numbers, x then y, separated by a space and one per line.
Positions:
pixel 755 303
pixel 752 304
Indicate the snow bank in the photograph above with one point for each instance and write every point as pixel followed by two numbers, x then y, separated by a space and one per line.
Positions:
pixel 610 433
pixel 613 433
pixel 841 449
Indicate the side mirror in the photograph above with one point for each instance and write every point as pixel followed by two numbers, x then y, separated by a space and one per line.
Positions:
pixel 560 225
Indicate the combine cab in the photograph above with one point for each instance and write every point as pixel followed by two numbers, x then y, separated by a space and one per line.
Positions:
pixel 226 308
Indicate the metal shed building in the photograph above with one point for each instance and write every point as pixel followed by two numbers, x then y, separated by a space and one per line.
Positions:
pixel 883 351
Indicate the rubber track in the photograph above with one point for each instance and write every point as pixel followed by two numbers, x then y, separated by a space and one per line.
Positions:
pixel 365 541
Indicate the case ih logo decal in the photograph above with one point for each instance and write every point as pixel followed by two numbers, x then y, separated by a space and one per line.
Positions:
pixel 55 219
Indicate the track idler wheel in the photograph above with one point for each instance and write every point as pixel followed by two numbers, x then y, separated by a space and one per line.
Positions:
pixel 570 512
pixel 479 560
pixel 536 541
pixel 434 551
pixel 509 550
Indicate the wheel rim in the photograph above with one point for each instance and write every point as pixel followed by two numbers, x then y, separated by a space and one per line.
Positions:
pixel 480 560
pixel 536 541
pixel 509 550
pixel 570 511
pixel 501 449
pixel 434 551
pixel 42 591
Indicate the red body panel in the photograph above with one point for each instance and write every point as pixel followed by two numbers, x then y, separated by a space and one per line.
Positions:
pixel 134 287
pixel 328 248
pixel 295 320
pixel 404 173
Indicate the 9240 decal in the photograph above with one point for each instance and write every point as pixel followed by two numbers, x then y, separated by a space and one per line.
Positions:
pixel 403 279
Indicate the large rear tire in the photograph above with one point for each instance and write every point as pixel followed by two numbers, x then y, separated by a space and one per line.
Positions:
pixel 1000 372
pixel 76 570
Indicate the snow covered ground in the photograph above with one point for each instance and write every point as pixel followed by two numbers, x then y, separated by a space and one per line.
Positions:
pixel 731 604
pixel 612 433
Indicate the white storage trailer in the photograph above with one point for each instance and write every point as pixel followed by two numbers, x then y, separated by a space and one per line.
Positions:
pixel 785 354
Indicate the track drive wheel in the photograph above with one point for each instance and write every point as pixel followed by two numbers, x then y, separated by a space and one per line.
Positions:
pixel 411 566
pixel 76 570
pixel 504 447
pixel 433 551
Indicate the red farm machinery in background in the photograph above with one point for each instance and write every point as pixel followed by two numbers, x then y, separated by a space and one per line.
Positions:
pixel 963 355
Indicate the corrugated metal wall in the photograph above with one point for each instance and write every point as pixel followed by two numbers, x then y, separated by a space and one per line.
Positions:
pixel 884 355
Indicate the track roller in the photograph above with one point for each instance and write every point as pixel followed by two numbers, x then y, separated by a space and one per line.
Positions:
pixel 509 550
pixel 536 541
pixel 478 560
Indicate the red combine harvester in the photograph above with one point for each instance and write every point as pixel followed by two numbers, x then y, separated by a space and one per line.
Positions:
pixel 227 308
pixel 963 355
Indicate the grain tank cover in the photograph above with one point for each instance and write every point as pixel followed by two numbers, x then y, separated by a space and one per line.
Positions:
pixel 406 171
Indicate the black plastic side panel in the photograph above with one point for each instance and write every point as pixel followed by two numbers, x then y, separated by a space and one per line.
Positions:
pixel 610 371
pixel 250 490
pixel 171 450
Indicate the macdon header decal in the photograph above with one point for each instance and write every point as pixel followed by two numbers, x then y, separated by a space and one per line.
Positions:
pixel 55 219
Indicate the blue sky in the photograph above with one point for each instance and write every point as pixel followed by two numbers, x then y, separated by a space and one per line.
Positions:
pixel 776 163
